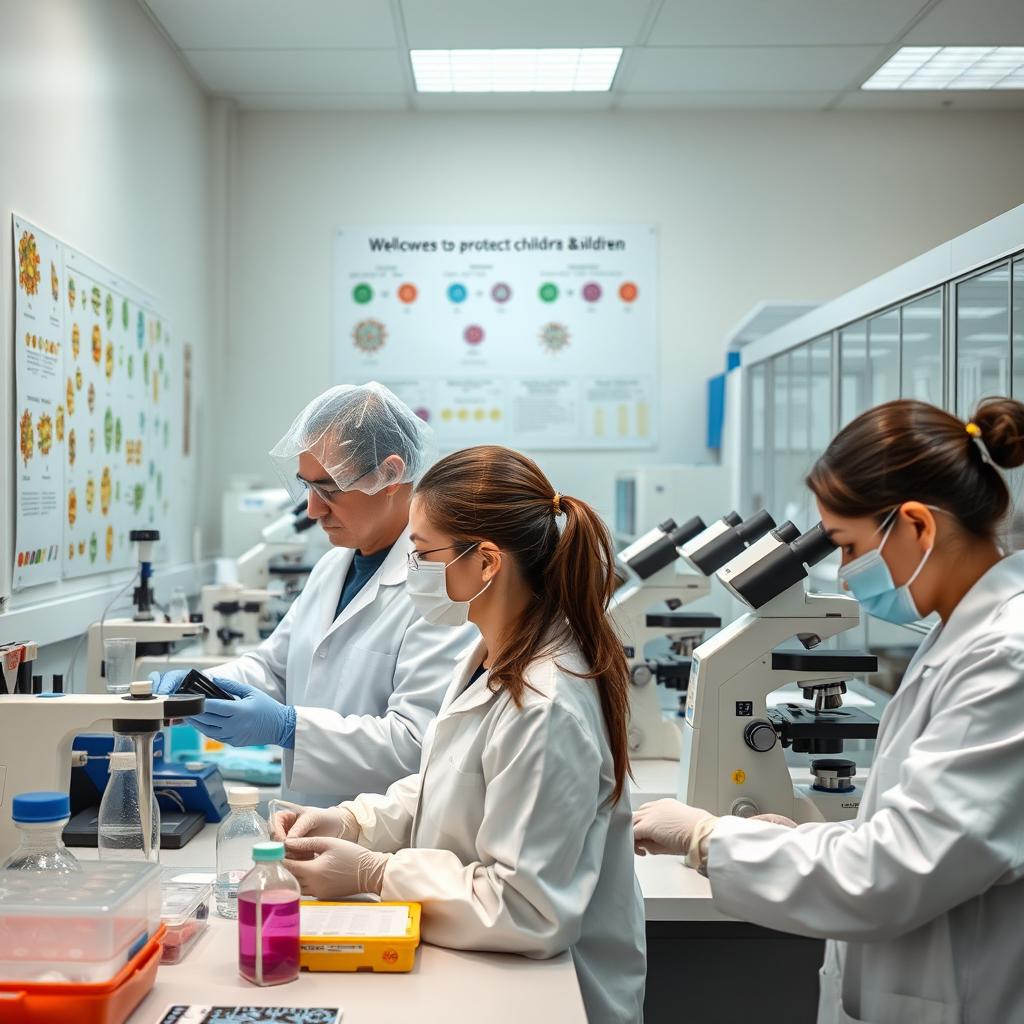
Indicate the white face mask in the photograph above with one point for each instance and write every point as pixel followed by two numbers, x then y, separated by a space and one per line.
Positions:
pixel 427 587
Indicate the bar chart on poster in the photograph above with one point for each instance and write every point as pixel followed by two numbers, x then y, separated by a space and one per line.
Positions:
pixel 541 337
pixel 99 409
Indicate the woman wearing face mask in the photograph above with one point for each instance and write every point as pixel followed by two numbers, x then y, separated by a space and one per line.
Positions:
pixel 516 834
pixel 922 896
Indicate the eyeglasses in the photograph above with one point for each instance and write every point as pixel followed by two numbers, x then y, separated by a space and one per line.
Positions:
pixel 415 557
pixel 328 494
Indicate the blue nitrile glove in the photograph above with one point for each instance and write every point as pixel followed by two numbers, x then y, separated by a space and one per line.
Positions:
pixel 167 683
pixel 255 718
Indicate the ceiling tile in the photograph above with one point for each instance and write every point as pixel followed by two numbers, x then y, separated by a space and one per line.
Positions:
pixel 321 102
pixel 781 22
pixel 970 23
pixel 725 101
pixel 298 71
pixel 267 24
pixel 543 102
pixel 988 99
pixel 747 69
pixel 457 24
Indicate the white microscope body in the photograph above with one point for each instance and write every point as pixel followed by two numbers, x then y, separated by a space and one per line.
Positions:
pixel 732 759
pixel 143 628
pixel 649 607
pixel 649 566
pixel 37 730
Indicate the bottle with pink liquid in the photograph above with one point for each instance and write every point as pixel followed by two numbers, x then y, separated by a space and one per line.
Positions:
pixel 268 919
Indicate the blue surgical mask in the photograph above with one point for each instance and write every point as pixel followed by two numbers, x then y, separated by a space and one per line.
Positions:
pixel 869 580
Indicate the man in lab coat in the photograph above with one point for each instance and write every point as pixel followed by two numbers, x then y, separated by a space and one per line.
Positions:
pixel 352 676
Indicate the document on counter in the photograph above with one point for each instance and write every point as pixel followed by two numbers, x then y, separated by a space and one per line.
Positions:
pixel 191 1014
pixel 365 921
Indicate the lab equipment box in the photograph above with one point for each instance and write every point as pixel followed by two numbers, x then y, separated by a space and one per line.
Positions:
pixel 77 928
pixel 379 937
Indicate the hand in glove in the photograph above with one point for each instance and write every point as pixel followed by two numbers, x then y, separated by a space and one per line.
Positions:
pixel 293 821
pixel 167 683
pixel 666 826
pixel 775 819
pixel 338 868
pixel 253 719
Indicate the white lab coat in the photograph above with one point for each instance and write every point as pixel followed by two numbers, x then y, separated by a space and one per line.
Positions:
pixel 365 686
pixel 508 840
pixel 923 895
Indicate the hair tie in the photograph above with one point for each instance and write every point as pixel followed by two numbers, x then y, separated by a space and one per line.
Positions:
pixel 978 441
pixel 557 503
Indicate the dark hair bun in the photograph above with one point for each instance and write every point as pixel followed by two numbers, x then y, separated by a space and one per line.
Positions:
pixel 1001 421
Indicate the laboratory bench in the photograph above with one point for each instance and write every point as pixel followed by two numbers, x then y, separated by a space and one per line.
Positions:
pixel 446 985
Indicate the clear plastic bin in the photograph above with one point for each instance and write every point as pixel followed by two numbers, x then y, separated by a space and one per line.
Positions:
pixel 78 928
pixel 186 911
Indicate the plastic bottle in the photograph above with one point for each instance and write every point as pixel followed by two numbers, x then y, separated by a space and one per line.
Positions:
pixel 120 824
pixel 41 817
pixel 268 919
pixel 236 835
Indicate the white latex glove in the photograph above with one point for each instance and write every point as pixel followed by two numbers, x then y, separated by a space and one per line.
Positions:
pixel 338 868
pixel 666 826
pixel 293 821
pixel 775 819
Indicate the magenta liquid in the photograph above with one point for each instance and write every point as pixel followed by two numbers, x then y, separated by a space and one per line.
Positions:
pixel 280 937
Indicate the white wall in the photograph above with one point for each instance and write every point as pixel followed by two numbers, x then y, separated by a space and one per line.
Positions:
pixel 104 143
pixel 749 206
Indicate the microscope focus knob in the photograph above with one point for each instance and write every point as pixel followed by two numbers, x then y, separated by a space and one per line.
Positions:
pixel 744 807
pixel 641 675
pixel 760 735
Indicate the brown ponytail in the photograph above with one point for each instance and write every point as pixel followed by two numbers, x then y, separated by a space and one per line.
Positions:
pixel 912 451
pixel 497 494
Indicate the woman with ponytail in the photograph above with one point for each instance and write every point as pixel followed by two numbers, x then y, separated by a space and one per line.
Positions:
pixel 922 895
pixel 516 834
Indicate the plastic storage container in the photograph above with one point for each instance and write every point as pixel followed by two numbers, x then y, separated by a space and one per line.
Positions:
pixel 77 928
pixel 41 817
pixel 109 1002
pixel 185 913
pixel 268 919
pixel 236 836
pixel 120 825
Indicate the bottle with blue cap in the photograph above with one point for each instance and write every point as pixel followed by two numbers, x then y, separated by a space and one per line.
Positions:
pixel 40 818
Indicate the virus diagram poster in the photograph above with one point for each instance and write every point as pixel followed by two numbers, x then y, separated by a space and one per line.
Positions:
pixel 95 392
pixel 538 337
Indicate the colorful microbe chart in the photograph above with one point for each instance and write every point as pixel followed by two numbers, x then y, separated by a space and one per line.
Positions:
pixel 548 292
pixel 369 336
pixel 362 293
pixel 591 292
pixel 457 292
pixel 407 293
pixel 473 334
pixel 628 291
pixel 501 292
pixel 554 337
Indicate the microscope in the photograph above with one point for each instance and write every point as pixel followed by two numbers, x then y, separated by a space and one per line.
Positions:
pixel 37 733
pixel 232 612
pixel 648 566
pixel 732 758
pixel 151 636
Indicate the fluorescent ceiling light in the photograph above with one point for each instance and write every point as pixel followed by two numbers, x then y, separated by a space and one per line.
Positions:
pixel 575 70
pixel 951 67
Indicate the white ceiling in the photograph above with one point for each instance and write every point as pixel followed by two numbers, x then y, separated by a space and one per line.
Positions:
pixel 679 54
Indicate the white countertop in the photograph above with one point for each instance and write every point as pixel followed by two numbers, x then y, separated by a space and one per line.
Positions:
pixel 446 985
